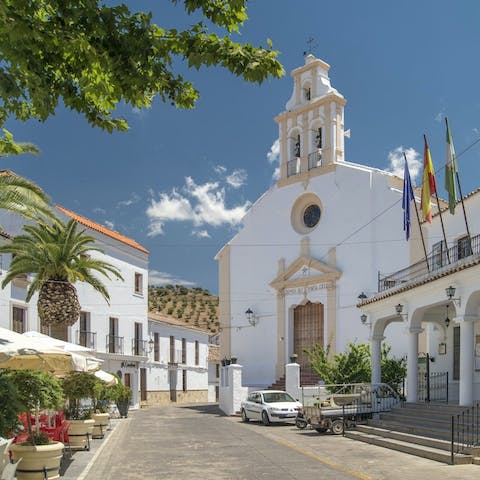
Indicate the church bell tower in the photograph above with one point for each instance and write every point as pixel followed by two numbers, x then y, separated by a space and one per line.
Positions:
pixel 311 129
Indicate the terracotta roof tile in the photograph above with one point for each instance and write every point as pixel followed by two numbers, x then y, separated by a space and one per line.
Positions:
pixel 102 229
pixel 160 317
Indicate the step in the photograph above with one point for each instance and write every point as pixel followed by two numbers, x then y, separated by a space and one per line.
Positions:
pixel 441 423
pixel 406 437
pixel 424 415
pixel 423 430
pixel 410 448
pixel 443 407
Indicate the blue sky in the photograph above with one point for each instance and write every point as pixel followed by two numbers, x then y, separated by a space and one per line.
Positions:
pixel 179 181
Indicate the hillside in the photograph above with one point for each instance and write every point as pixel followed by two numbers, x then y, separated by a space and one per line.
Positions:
pixel 194 306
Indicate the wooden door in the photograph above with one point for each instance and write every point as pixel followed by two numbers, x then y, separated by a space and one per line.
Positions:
pixel 143 384
pixel 307 329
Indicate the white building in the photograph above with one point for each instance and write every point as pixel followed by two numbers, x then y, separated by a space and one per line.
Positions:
pixel 177 370
pixel 419 293
pixel 308 246
pixel 117 332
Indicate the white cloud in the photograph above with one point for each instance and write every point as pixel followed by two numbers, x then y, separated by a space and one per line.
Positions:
pixel 274 154
pixel 100 211
pixel 134 198
pixel 109 224
pixel 397 162
pixel 439 116
pixel 163 278
pixel 219 169
pixel 237 178
pixel 200 204
pixel 201 234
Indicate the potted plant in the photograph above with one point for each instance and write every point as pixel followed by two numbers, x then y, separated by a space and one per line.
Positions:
pixel 121 396
pixel 36 390
pixel 78 388
pixel 103 394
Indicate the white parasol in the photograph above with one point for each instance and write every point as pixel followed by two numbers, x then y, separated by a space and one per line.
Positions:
pixel 19 352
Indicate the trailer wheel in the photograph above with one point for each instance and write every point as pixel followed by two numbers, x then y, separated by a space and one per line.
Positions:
pixel 300 423
pixel 337 426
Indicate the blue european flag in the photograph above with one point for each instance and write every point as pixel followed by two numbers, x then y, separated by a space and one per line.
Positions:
pixel 407 197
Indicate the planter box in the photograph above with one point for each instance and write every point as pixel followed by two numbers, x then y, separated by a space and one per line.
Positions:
pixel 80 432
pixel 101 424
pixel 38 460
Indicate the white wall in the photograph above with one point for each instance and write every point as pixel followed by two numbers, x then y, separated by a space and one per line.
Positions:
pixel 351 196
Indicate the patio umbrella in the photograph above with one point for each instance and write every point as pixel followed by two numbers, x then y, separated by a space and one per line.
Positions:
pixel 18 352
pixel 84 359
pixel 106 377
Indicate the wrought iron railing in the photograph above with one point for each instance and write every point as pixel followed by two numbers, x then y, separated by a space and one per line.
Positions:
pixel 430 265
pixel 433 387
pixel 314 160
pixel 465 431
pixel 114 344
pixel 139 347
pixel 87 339
pixel 293 167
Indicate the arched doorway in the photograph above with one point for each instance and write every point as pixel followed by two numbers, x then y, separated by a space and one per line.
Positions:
pixel 307 329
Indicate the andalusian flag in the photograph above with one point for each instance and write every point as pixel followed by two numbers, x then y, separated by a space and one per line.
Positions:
pixel 429 186
pixel 450 171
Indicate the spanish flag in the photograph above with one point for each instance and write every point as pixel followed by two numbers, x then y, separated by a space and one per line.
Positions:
pixel 429 186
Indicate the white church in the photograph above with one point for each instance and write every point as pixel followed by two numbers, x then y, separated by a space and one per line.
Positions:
pixel 308 248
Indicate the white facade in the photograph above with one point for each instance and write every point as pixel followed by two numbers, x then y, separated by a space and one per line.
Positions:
pixel 454 345
pixel 177 369
pixel 283 260
pixel 120 342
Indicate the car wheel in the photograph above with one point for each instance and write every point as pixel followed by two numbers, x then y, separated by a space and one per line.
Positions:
pixel 265 419
pixel 337 426
pixel 301 423
pixel 244 416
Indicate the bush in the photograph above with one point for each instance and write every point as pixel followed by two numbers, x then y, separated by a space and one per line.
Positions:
pixel 10 406
pixel 76 387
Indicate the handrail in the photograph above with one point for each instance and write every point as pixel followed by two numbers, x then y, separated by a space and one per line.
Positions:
pixel 432 264
pixel 465 431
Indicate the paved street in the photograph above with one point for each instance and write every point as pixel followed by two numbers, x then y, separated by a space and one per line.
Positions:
pixel 191 442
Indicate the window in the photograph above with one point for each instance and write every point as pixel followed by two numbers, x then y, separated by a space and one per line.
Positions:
pixel 318 138
pixel 307 93
pixel 138 283
pixel 172 349
pixel 438 254
pixel 217 370
pixel 197 353
pixel 184 380
pixel 464 247
pixel 297 147
pixel 156 347
pixel 456 353
pixel 85 336
pixel 19 319
pixel 137 340
pixel 184 351
pixel 113 343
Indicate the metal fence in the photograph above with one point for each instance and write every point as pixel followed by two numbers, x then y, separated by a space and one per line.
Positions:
pixel 433 387
pixel 434 262
pixel 465 431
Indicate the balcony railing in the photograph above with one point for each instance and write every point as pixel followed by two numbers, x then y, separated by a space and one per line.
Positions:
pixel 434 262
pixel 293 167
pixel 139 347
pixel 114 344
pixel 176 356
pixel 314 160
pixel 87 339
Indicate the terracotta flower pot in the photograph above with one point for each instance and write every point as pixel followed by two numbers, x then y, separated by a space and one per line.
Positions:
pixel 36 458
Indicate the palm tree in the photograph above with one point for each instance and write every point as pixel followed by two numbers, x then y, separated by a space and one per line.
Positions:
pixel 58 256
pixel 19 195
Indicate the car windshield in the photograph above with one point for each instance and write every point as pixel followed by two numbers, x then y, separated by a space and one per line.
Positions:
pixel 275 397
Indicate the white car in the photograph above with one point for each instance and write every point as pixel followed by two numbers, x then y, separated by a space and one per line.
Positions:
pixel 270 406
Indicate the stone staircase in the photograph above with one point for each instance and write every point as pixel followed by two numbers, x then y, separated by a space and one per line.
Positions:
pixel 307 378
pixel 415 428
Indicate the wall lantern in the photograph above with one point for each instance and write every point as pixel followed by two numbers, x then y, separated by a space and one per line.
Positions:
pixel 399 310
pixel 251 318
pixel 450 291
pixel 363 319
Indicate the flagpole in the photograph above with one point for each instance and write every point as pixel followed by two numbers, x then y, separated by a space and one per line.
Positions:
pixel 440 213
pixel 419 225
pixel 461 199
